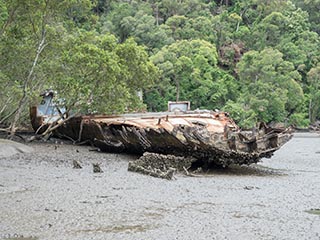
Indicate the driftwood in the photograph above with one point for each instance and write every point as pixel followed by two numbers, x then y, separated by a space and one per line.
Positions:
pixel 56 124
pixel 11 137
pixel 189 174
pixel 76 164
pixel 4 119
pixel 4 130
pixel 50 128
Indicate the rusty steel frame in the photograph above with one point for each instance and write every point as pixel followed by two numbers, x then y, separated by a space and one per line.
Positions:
pixel 205 135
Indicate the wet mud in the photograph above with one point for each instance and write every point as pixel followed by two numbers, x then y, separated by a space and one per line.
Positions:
pixel 43 196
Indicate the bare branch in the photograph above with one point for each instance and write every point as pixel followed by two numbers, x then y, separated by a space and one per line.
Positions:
pixel 5 105
pixel 24 99
pixel 8 116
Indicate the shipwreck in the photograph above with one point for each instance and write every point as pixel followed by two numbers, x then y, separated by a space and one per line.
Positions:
pixel 208 138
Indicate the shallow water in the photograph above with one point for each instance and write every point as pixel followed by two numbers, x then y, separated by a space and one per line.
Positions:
pixel 43 197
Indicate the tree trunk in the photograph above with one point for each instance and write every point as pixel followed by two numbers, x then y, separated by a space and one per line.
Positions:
pixel 177 89
pixel 157 14
pixel 2 120
pixel 310 112
pixel 9 20
pixel 24 99
pixel 17 115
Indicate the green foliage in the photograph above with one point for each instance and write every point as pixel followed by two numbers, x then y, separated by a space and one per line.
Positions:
pixel 189 72
pixel 299 120
pixel 46 44
pixel 189 8
pixel 313 78
pixel 269 85
pixel 99 75
pixel 257 59
pixel 242 114
pixel 279 30
pixel 26 40
pixel 3 13
pixel 181 27
pixel 313 9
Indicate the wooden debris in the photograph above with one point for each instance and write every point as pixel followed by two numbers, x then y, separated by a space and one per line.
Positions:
pixel 97 168
pixel 76 164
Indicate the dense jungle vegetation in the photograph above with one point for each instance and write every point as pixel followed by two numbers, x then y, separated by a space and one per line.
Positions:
pixel 257 59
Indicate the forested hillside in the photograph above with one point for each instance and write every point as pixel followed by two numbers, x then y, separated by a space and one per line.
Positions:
pixel 257 59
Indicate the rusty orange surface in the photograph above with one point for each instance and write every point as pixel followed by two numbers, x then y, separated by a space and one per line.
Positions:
pixel 213 122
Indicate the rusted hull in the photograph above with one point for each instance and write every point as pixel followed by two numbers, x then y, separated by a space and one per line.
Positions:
pixel 208 136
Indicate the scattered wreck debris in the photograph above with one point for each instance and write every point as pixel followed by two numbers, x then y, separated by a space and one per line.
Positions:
pixel 315 127
pixel 159 165
pixel 76 164
pixel 315 211
pixel 97 168
pixel 211 137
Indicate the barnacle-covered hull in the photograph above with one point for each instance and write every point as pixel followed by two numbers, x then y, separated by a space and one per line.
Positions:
pixel 211 137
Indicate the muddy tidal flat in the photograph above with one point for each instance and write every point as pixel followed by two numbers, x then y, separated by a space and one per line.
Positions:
pixel 43 197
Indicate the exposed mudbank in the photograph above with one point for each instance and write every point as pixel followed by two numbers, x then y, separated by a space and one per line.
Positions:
pixel 42 196
pixel 9 148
